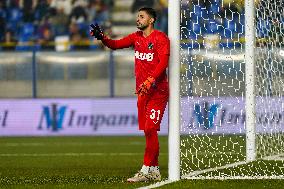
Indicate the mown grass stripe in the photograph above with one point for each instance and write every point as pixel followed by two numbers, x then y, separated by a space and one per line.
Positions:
pixel 69 154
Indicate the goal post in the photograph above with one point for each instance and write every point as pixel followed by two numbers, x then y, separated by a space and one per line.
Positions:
pixel 174 85
pixel 250 80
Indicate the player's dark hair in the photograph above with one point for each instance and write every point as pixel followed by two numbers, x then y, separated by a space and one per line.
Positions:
pixel 150 11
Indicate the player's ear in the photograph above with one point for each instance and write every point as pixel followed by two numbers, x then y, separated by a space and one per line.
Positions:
pixel 152 20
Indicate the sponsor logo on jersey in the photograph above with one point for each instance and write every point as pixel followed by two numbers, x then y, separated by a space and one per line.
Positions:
pixel 144 56
pixel 150 46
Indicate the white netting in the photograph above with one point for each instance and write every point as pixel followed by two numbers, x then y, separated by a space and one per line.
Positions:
pixel 270 78
pixel 213 141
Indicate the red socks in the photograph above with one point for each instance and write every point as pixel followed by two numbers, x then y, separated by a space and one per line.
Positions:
pixel 152 147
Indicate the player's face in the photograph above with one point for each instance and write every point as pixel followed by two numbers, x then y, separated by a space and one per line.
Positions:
pixel 143 20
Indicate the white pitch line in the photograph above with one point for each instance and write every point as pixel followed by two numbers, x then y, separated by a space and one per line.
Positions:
pixel 194 176
pixel 236 177
pixel 195 173
pixel 275 157
pixel 158 184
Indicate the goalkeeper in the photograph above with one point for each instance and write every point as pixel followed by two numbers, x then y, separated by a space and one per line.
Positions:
pixel 152 50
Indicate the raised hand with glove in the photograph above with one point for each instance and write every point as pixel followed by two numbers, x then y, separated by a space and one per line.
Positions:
pixel 96 32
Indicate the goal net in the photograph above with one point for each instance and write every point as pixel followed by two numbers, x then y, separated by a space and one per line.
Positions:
pixel 213 90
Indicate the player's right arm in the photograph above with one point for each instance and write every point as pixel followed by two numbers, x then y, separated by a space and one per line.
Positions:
pixel 118 44
pixel 125 42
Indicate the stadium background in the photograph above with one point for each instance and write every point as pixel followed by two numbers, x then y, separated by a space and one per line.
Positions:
pixel 57 80
pixel 55 33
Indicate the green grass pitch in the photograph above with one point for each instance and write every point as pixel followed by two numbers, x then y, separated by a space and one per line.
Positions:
pixel 90 162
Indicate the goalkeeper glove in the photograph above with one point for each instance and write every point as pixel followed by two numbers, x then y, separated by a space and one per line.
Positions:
pixel 96 32
pixel 146 86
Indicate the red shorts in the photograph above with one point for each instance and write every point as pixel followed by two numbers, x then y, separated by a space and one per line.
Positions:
pixel 151 108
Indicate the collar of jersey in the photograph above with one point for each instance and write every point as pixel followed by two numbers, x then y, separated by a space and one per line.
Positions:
pixel 148 35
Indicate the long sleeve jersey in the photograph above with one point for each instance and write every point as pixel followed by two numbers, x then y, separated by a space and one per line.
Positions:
pixel 151 54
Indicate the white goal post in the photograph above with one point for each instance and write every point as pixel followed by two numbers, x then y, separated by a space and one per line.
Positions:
pixel 174 85
pixel 250 80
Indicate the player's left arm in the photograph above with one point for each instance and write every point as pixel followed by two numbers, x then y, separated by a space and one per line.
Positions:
pixel 163 51
pixel 163 47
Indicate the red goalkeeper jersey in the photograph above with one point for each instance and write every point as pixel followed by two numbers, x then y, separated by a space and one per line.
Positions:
pixel 151 54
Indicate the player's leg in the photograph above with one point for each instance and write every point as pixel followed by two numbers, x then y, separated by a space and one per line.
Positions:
pixel 154 113
pixel 140 176
pixel 150 113
pixel 152 147
pixel 149 170
pixel 151 154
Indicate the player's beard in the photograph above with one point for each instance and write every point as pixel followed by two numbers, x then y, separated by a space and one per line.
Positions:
pixel 141 26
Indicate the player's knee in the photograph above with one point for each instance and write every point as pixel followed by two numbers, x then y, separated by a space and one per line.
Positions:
pixel 148 131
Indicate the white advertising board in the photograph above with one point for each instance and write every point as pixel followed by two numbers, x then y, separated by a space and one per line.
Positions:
pixel 118 116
